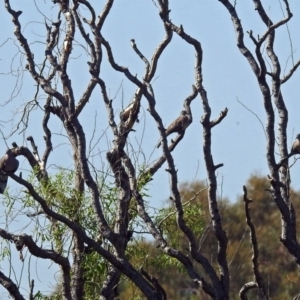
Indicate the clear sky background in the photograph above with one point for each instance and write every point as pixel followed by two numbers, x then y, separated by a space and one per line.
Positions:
pixel 238 142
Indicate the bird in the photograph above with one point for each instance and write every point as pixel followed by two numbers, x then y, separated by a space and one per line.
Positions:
pixel 295 149
pixel 296 145
pixel 8 163
pixel 179 125
pixel 126 112
pixel 130 114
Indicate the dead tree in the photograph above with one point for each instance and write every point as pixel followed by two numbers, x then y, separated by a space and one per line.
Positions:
pixel 53 79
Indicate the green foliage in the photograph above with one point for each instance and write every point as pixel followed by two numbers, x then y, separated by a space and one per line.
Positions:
pixel 62 197
pixel 94 274
pixel 38 296
pixel 277 266
pixel 143 179
pixel 167 218
pixel 169 270
pixel 272 254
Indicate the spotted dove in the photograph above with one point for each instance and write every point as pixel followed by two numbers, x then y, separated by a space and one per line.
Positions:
pixel 179 125
pixel 8 163
pixel 296 145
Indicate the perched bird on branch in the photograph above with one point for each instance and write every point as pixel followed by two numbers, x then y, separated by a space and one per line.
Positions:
pixel 296 146
pixel 130 114
pixel 8 163
pixel 294 150
pixel 179 125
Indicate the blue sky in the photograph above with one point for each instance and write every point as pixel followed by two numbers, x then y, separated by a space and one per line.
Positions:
pixel 238 142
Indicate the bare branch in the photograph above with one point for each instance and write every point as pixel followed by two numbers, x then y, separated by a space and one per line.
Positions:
pixel 156 284
pixel 267 20
pixel 47 131
pixel 11 287
pixel 290 73
pixel 139 53
pixel 24 240
pixel 120 263
pixel 248 286
pixel 220 118
pixel 255 264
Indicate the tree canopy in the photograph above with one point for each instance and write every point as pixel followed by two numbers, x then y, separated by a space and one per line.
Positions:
pixel 100 131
